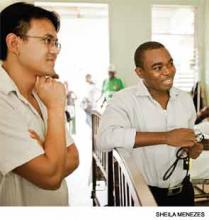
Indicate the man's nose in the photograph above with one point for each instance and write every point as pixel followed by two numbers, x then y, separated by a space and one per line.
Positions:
pixel 169 70
pixel 54 49
pixel 166 71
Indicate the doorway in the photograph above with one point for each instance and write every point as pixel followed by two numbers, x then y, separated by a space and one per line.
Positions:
pixel 84 35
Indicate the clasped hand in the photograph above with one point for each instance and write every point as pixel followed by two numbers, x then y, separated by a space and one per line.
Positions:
pixel 185 137
pixel 51 92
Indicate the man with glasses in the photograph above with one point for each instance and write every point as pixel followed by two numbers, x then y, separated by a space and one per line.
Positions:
pixel 155 122
pixel 34 159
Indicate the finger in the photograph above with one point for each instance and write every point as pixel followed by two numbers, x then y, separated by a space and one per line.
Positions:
pixel 198 146
pixel 33 134
pixel 201 147
pixel 42 79
pixel 37 79
pixel 32 131
pixel 48 79
pixel 37 82
pixel 189 144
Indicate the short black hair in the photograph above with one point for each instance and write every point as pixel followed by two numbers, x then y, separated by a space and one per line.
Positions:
pixel 139 53
pixel 16 19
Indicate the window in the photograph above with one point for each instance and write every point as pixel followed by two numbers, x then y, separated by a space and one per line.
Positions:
pixel 174 26
pixel 84 35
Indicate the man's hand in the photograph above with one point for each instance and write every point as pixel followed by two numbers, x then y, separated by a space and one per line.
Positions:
pixel 181 137
pixel 35 136
pixel 72 155
pixel 51 92
pixel 195 151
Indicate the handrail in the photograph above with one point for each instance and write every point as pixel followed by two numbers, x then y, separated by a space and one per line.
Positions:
pixel 98 154
pixel 101 164
pixel 125 184
pixel 139 190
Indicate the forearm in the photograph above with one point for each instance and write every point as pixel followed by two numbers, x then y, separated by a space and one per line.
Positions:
pixel 72 160
pixel 55 144
pixel 48 170
pixel 150 138
pixel 180 137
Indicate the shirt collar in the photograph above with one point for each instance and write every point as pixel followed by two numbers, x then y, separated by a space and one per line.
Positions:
pixel 7 85
pixel 143 91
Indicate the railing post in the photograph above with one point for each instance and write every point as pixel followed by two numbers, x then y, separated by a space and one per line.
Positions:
pixel 110 180
pixel 93 192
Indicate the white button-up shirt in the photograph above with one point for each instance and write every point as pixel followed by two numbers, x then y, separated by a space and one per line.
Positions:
pixel 17 116
pixel 133 110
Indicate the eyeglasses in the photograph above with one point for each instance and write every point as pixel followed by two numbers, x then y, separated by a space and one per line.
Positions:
pixel 49 41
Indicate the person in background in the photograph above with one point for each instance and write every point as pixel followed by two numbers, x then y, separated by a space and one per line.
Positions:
pixel 111 85
pixel 154 121
pixel 36 151
pixel 71 111
pixel 89 101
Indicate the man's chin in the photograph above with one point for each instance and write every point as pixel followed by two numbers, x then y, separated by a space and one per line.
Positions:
pixel 168 85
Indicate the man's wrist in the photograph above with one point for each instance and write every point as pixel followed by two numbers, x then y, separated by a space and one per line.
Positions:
pixel 56 108
pixel 57 111
pixel 165 137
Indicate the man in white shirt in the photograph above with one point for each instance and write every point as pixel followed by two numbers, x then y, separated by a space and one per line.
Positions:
pixel 34 159
pixel 91 96
pixel 153 120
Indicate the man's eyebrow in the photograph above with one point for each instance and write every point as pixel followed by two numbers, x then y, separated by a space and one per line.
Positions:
pixel 50 35
pixel 157 64
pixel 160 63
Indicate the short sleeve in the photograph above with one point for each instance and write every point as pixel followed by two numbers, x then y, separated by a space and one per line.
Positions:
pixel 16 145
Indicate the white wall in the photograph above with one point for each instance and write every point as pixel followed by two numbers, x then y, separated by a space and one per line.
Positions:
pixel 130 25
pixel 206 47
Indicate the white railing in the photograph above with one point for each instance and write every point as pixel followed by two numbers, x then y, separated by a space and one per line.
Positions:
pixel 129 186
pixel 101 167
pixel 125 184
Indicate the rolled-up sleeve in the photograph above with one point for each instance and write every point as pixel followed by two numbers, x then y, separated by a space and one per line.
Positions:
pixel 115 129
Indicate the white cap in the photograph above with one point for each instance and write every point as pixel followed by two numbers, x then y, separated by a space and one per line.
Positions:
pixel 112 68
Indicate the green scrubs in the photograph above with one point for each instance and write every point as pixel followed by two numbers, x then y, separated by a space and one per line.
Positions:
pixel 110 86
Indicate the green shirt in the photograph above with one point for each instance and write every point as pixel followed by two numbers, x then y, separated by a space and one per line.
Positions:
pixel 110 86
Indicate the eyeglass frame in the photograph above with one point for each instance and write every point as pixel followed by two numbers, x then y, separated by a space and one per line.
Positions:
pixel 44 39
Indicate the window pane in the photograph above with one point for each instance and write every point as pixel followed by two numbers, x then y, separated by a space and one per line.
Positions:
pixel 174 27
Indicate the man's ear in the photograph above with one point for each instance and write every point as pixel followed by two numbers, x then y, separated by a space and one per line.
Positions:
pixel 12 42
pixel 139 72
